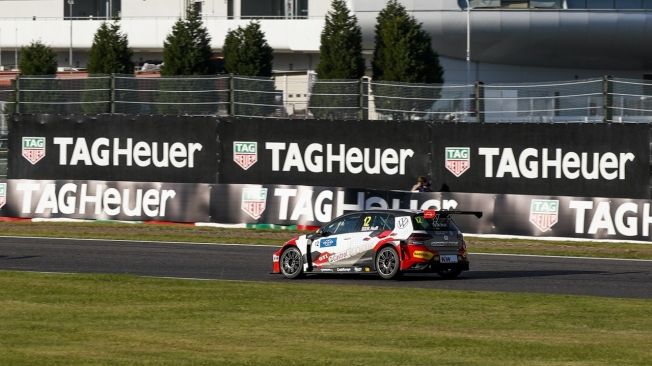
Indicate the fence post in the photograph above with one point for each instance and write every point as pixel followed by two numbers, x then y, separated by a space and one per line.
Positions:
pixel 17 92
pixel 112 98
pixel 479 101
pixel 607 99
pixel 231 95
pixel 361 99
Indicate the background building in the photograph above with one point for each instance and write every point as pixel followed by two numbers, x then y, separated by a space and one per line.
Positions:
pixel 511 40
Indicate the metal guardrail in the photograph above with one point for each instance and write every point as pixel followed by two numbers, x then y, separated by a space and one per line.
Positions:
pixel 305 96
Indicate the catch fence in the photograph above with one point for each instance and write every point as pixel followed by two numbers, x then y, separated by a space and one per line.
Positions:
pixel 305 96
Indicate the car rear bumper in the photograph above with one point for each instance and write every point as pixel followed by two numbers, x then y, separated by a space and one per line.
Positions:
pixel 422 258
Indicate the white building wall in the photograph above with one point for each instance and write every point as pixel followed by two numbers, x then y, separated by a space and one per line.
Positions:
pixel 31 8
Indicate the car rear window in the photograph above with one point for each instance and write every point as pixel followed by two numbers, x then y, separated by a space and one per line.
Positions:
pixel 437 224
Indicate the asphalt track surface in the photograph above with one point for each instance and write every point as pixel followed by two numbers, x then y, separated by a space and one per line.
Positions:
pixel 508 273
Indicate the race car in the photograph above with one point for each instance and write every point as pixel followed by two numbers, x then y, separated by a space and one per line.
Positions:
pixel 386 242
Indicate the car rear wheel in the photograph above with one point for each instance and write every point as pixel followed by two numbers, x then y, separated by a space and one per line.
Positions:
pixel 450 273
pixel 388 263
pixel 291 262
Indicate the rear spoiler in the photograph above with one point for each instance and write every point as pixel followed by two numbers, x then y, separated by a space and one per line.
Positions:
pixel 431 214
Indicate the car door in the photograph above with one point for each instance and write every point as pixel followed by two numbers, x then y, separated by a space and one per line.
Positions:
pixel 333 248
pixel 375 226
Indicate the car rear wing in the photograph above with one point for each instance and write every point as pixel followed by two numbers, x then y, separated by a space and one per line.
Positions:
pixel 431 214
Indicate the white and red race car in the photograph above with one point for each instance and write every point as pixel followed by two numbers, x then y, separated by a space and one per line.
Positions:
pixel 386 242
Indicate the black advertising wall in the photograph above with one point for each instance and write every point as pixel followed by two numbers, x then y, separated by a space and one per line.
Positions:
pixel 114 148
pixel 362 154
pixel 595 160
pixel 585 160
pixel 504 214
pixel 315 206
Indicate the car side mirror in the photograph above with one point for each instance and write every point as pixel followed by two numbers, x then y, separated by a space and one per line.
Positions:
pixel 316 235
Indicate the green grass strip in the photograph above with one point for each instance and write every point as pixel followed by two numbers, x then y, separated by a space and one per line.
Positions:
pixel 126 320
pixel 271 235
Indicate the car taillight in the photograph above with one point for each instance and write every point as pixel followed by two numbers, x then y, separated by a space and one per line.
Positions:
pixel 418 239
pixel 461 249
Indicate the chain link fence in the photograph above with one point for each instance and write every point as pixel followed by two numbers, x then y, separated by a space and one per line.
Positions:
pixel 305 96
pixel 192 95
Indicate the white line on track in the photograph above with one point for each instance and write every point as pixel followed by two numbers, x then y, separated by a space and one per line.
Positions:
pixel 140 241
pixel 562 257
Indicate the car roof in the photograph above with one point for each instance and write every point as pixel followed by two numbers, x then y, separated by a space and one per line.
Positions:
pixel 392 211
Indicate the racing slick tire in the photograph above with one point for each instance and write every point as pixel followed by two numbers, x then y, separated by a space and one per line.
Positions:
pixel 291 263
pixel 450 273
pixel 388 263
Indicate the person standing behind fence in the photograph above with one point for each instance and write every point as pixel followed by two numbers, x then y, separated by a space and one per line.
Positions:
pixel 422 185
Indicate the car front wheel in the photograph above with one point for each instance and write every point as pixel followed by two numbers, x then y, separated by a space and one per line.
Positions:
pixel 388 264
pixel 291 263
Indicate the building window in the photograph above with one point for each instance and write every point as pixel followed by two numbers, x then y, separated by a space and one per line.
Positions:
pixel 93 9
pixel 558 4
pixel 272 8
pixel 262 8
pixel 513 4
pixel 229 9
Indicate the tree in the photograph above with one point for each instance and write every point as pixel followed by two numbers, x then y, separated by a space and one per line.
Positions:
pixel 187 50
pixel 110 52
pixel 340 59
pixel 246 52
pixel 403 54
pixel 37 59
pixel 340 52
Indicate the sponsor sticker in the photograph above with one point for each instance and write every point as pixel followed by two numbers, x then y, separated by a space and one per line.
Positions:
pixel 33 149
pixel 458 160
pixel 245 153
pixel 3 194
pixel 327 243
pixel 422 254
pixel 544 214
pixel 275 258
pixel 254 201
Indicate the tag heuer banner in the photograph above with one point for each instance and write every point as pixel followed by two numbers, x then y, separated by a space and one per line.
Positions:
pixel 362 154
pixel 595 160
pixel 133 201
pixel 106 147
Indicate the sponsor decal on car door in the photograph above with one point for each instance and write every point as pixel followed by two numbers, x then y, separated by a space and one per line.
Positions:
pixel 332 250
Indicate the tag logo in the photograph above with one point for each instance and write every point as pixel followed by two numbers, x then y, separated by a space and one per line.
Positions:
pixel 254 200
pixel 33 149
pixel 327 243
pixel 544 214
pixel 458 160
pixel 245 153
pixel 3 194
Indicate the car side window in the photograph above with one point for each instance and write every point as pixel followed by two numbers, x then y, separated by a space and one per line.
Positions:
pixel 389 222
pixel 377 221
pixel 345 225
